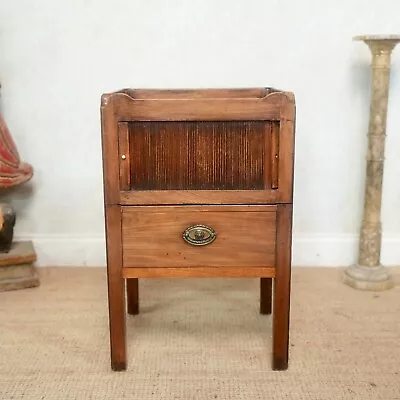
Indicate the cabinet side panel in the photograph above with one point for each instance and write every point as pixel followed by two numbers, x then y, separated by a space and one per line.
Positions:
pixel 109 134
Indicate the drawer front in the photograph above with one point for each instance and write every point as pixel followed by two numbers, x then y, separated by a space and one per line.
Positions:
pixel 153 236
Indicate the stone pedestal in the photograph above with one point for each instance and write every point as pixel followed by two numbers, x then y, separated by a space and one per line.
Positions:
pixel 17 269
pixel 369 274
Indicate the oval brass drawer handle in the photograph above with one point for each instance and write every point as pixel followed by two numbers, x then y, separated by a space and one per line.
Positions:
pixel 199 235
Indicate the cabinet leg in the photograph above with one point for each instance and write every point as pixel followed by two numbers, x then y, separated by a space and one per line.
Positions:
pixel 265 295
pixel 132 294
pixel 280 340
pixel 116 303
pixel 116 289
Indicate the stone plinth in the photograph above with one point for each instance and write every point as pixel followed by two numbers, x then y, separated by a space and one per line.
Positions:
pixel 17 269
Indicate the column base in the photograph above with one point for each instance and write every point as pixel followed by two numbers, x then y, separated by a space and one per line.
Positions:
pixel 368 278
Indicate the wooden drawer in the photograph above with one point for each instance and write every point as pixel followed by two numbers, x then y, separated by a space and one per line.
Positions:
pixel 152 236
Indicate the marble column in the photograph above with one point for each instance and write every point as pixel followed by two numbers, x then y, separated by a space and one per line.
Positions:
pixel 368 273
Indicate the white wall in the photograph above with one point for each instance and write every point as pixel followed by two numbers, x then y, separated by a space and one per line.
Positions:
pixel 57 58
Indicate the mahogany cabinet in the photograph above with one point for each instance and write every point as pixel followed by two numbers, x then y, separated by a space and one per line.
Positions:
pixel 198 183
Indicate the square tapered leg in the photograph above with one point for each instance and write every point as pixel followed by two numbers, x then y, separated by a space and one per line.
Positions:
pixel 280 339
pixel 116 290
pixel 116 302
pixel 132 294
pixel 265 296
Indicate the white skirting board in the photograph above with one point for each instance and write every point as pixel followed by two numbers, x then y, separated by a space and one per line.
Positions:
pixel 308 250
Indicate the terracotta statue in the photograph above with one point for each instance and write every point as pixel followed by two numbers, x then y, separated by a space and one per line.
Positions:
pixel 17 269
pixel 12 172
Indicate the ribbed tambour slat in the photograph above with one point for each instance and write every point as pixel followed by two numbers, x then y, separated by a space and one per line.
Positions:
pixel 200 155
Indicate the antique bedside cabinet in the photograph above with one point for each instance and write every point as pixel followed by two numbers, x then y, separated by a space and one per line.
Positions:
pixel 198 183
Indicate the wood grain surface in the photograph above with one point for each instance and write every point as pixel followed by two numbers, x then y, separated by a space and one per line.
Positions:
pixel 153 237
pixel 200 155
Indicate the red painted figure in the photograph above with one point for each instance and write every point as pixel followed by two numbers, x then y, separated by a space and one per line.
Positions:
pixel 12 171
